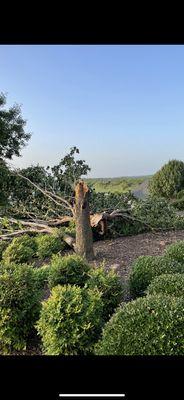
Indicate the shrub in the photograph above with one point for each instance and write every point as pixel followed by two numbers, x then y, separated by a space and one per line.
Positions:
pixel 169 284
pixel 70 269
pixel 20 250
pixel 178 204
pixel 48 245
pixel 169 180
pixel 3 246
pixel 152 325
pixel 19 306
pixel 146 268
pixel 175 251
pixel 70 320
pixel 41 275
pixel 111 287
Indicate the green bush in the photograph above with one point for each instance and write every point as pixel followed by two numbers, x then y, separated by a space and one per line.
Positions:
pixel 169 284
pixel 178 204
pixel 169 180
pixel 3 246
pixel 19 306
pixel 175 251
pixel 42 274
pixel 152 325
pixel 180 194
pixel 146 268
pixel 111 287
pixel 48 245
pixel 70 320
pixel 70 269
pixel 20 250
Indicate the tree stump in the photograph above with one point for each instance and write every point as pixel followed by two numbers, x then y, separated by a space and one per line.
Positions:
pixel 84 236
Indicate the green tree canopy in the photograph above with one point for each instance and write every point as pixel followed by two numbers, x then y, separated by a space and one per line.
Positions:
pixel 169 180
pixel 12 130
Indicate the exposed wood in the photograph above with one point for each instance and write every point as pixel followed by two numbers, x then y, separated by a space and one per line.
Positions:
pixel 84 237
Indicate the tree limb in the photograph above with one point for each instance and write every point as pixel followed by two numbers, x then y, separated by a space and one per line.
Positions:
pixel 47 193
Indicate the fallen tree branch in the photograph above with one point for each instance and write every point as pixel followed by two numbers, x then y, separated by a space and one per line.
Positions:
pixel 50 195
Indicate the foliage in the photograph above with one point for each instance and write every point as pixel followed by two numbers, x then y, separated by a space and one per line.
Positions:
pixel 169 180
pixel 109 201
pixel 4 183
pixel 111 287
pixel 20 250
pixel 26 201
pixel 13 136
pixel 152 325
pixel 168 284
pixel 68 171
pixel 19 306
pixel 157 213
pixel 41 275
pixel 68 230
pixel 3 245
pixel 70 320
pixel 175 251
pixel 70 269
pixel 48 245
pixel 178 204
pixel 146 268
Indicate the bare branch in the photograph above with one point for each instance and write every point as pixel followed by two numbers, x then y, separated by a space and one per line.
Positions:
pixel 46 193
pixel 22 232
pixel 60 198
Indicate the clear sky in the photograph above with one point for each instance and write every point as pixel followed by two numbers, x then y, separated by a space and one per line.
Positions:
pixel 122 106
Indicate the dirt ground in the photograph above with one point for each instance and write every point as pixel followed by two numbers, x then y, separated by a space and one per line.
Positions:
pixel 120 253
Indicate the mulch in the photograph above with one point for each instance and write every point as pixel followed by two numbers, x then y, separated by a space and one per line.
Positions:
pixel 121 252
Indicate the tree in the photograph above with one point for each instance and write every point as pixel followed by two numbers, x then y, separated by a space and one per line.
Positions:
pixel 68 172
pixel 12 133
pixel 169 180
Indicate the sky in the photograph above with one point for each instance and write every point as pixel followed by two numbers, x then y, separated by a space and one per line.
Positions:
pixel 122 106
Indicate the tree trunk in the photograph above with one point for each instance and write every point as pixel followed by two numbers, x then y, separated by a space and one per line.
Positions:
pixel 84 236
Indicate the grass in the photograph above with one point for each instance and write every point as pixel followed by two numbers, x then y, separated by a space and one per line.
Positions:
pixel 116 185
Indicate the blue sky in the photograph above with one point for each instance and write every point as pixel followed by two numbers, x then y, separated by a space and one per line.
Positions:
pixel 123 106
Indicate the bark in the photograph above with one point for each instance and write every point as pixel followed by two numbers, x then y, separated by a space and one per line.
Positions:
pixel 84 236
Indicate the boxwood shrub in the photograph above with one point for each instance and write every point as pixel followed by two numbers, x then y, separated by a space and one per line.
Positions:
pixel 175 251
pixel 20 250
pixel 152 325
pixel 19 306
pixel 146 268
pixel 41 275
pixel 70 320
pixel 111 287
pixel 170 284
pixel 70 269
pixel 48 245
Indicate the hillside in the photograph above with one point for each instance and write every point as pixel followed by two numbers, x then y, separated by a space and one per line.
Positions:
pixel 121 185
